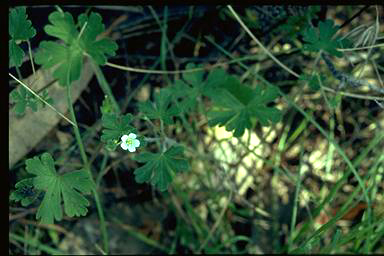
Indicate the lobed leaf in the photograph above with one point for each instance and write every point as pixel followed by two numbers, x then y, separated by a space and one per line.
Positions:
pixel 23 99
pixel 161 108
pixel 235 105
pixel 16 54
pixel 69 56
pixel 68 187
pixel 322 39
pixel 186 92
pixel 115 126
pixel 185 96
pixel 159 168
pixel 97 49
pixel 20 29
pixel 68 59
pixel 193 78
pixel 25 192
pixel 312 80
pixel 62 26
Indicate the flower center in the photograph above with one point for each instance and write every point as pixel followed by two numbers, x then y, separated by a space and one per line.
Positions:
pixel 129 141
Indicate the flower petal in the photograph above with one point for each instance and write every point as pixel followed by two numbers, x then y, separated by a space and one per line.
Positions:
pixel 124 138
pixel 124 146
pixel 132 136
pixel 131 148
pixel 136 143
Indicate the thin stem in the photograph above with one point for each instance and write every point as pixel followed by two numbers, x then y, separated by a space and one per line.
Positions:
pixel 163 136
pixel 88 170
pixel 30 57
pixel 102 167
pixel 103 226
pixel 296 200
pixel 164 39
pixel 59 9
pixel 105 86
pixel 360 48
pixel 76 128
pixel 37 96
pixel 354 16
pixel 352 95
pixel 174 72
pixel 161 72
pixel 260 44
pixel 18 72
pixel 82 30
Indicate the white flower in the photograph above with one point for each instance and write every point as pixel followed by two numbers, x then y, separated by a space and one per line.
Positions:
pixel 130 142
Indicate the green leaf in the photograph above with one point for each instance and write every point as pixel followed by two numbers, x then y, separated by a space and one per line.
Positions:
pixel 235 108
pixel 20 28
pixel 335 100
pixel 161 108
pixel 25 192
pixel 160 168
pixel 106 106
pixel 69 56
pixel 312 80
pixel 45 96
pixel 16 54
pixel 296 23
pixel 115 126
pixel 185 96
pixel 194 78
pixel 19 97
pixel 216 76
pixel 321 39
pixel 22 99
pixel 186 92
pixel 242 93
pixel 69 60
pixel 67 188
pixel 97 49
pixel 63 26
pixel 231 113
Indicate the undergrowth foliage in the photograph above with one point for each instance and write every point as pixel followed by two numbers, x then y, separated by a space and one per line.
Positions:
pixel 20 30
pixel 76 44
pixel 236 105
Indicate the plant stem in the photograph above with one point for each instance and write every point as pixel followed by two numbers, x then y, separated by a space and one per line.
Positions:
pixel 76 128
pixel 105 86
pixel 162 135
pixel 18 73
pixel 88 169
pixel 296 201
pixel 41 99
pixel 260 44
pixel 30 57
